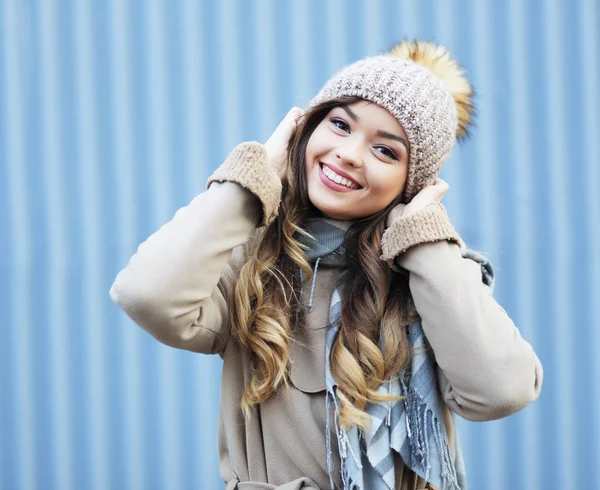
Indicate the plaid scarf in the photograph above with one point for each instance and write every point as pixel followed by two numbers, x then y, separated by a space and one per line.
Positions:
pixel 412 426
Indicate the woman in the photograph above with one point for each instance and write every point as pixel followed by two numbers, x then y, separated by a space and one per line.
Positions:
pixel 322 267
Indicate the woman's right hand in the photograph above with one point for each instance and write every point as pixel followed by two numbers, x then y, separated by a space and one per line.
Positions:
pixel 277 144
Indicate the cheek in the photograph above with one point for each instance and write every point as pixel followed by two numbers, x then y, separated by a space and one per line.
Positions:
pixel 306 169
pixel 317 141
pixel 311 170
pixel 309 158
pixel 314 149
pixel 388 183
pixel 309 155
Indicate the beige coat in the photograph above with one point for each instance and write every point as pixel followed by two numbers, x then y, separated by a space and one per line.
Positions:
pixel 178 287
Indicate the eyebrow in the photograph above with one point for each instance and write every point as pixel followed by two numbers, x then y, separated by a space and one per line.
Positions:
pixel 381 133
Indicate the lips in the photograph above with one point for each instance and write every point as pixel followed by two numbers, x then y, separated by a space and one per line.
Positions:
pixel 341 173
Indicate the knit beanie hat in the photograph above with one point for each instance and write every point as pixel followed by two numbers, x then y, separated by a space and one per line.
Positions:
pixel 423 88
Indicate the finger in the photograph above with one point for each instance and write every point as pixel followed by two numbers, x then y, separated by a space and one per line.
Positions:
pixel 441 186
pixel 442 192
pixel 292 118
pixel 297 115
pixel 295 112
pixel 435 192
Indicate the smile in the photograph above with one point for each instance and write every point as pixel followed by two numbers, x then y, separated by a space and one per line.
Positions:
pixel 337 179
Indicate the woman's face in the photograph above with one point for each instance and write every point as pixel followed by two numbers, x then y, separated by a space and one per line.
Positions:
pixel 356 161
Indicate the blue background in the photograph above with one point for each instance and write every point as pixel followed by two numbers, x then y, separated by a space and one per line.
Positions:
pixel 114 113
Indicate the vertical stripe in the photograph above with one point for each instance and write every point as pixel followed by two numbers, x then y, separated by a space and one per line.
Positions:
pixel 145 223
pixel 373 16
pixel 590 79
pixel 158 101
pixel 559 209
pixel 6 272
pixel 352 18
pixel 302 67
pixel 92 241
pixel 524 183
pixel 197 467
pixel 543 234
pixel 231 78
pixel 334 36
pixel 450 170
pixel 486 150
pixel 52 176
pixel 161 150
pixel 45 457
pixel 265 63
pixel 123 118
pixel 196 115
pixel 407 21
pixel 15 30
pixel 76 356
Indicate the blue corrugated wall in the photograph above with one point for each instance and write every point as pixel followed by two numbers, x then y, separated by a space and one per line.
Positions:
pixel 113 114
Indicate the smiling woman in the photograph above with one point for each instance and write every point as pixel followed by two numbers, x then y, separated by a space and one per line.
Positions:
pixel 352 320
pixel 353 169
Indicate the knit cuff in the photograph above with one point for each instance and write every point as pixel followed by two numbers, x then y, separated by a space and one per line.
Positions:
pixel 430 224
pixel 247 165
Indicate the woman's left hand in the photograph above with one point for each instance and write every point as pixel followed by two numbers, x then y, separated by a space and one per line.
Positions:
pixel 428 195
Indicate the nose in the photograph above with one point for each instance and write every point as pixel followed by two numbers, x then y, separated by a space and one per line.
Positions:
pixel 349 154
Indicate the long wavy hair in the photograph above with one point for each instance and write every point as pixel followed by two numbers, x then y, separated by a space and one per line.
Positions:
pixel 371 344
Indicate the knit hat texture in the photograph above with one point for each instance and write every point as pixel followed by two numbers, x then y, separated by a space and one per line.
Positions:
pixel 420 100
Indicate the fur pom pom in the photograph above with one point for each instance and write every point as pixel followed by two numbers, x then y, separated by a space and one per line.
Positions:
pixel 437 59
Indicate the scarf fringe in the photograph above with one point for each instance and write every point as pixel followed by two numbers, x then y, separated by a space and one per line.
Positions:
pixel 424 419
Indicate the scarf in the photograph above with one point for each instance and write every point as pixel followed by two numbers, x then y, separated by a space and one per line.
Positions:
pixel 413 426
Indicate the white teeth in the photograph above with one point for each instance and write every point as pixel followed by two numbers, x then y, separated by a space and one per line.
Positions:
pixel 331 175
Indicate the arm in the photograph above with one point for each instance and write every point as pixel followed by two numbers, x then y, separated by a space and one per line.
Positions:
pixel 177 285
pixel 486 369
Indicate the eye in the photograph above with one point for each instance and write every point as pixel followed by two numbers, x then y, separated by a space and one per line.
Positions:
pixel 340 124
pixel 387 152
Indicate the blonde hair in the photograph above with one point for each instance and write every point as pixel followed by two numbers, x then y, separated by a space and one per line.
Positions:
pixel 376 302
